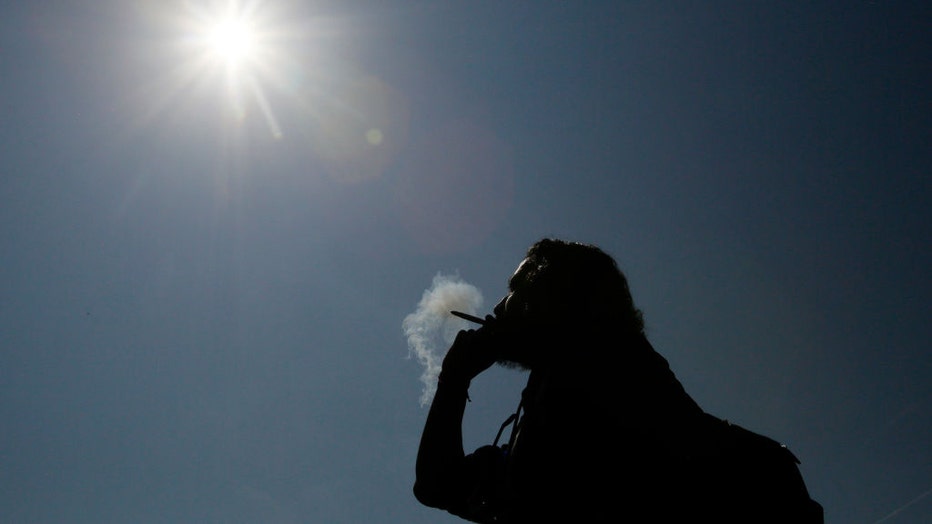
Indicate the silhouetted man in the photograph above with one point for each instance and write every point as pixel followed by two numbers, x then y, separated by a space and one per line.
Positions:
pixel 604 432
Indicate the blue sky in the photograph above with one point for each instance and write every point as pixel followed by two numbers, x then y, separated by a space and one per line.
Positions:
pixel 203 277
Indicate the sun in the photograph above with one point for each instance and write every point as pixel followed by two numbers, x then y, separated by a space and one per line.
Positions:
pixel 232 67
pixel 231 40
pixel 234 43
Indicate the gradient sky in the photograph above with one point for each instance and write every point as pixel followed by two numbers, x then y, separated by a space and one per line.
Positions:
pixel 203 278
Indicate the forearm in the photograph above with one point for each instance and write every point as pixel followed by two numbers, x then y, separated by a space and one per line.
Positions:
pixel 440 455
pixel 441 466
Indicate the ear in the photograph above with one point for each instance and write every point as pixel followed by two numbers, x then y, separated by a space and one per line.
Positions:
pixel 546 304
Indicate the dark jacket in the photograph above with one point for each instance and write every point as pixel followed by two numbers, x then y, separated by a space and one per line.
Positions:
pixel 619 440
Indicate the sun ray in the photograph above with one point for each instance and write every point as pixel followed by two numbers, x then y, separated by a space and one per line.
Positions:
pixel 266 109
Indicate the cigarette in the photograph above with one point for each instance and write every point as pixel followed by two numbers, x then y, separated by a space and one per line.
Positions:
pixel 466 316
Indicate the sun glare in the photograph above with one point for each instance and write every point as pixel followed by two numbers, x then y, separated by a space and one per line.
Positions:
pixel 235 44
pixel 232 40
pixel 235 66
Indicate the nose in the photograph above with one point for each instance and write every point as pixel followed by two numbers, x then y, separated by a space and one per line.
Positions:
pixel 499 308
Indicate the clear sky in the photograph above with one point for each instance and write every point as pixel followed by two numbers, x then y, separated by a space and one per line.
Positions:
pixel 208 244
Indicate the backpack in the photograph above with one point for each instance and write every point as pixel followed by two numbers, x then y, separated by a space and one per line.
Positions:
pixel 737 475
pixel 715 470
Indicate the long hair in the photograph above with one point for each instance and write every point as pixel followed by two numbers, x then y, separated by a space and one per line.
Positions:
pixel 581 283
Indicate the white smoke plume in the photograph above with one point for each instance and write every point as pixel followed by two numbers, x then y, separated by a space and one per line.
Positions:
pixel 431 328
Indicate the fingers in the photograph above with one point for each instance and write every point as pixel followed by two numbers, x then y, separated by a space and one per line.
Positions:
pixel 472 353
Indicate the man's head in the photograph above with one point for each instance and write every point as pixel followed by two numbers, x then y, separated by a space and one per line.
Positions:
pixel 567 287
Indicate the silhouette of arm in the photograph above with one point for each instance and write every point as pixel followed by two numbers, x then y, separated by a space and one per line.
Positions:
pixel 442 472
pixel 440 457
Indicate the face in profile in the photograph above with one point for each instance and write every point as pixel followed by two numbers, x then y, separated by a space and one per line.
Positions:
pixel 514 304
pixel 519 343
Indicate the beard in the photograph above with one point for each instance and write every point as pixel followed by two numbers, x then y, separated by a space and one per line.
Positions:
pixel 511 364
